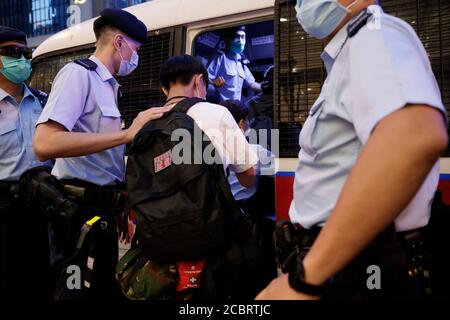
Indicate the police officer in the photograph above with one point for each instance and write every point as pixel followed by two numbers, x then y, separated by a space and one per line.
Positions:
pixel 228 70
pixel 368 165
pixel 20 107
pixel 81 127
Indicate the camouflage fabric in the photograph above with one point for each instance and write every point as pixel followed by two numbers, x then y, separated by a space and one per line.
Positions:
pixel 142 279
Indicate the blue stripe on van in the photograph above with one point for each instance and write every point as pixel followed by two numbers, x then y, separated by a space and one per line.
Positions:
pixel 290 174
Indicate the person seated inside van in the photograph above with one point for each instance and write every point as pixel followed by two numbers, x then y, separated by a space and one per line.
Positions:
pixel 259 200
pixel 260 107
pixel 265 165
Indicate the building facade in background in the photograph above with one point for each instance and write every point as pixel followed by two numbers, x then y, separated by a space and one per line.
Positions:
pixel 39 19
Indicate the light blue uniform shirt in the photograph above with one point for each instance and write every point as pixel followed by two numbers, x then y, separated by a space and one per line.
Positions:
pixel 236 75
pixel 17 123
pixel 86 101
pixel 265 166
pixel 371 75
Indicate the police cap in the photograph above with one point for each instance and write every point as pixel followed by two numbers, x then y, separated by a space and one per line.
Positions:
pixel 12 34
pixel 124 21
pixel 230 34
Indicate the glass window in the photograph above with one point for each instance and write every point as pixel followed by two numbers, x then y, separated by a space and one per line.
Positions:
pixel 257 55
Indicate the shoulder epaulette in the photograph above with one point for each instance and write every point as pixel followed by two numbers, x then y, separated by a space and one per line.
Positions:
pixel 87 64
pixel 40 95
pixel 358 22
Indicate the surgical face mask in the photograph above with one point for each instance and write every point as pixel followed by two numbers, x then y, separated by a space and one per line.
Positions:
pixel 246 130
pixel 320 18
pixel 198 93
pixel 127 67
pixel 16 70
pixel 237 46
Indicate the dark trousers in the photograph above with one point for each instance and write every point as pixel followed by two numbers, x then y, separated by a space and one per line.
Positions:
pixel 23 252
pixel 100 244
pixel 413 265
pixel 9 250
pixel 267 270
pixel 379 272
pixel 395 266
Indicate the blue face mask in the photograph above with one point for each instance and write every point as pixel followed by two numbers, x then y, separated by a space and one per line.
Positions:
pixel 127 67
pixel 237 46
pixel 320 18
pixel 16 70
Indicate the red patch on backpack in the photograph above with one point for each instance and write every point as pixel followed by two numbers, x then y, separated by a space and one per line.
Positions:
pixel 163 161
pixel 190 274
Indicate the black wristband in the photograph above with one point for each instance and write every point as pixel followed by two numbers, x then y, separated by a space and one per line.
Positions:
pixel 297 280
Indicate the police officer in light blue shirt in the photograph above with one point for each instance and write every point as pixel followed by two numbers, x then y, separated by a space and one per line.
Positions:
pixel 228 70
pixel 81 127
pixel 368 166
pixel 20 107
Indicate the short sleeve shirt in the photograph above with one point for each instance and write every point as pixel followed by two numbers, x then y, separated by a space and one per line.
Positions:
pixel 370 75
pixel 17 122
pixel 236 75
pixel 86 101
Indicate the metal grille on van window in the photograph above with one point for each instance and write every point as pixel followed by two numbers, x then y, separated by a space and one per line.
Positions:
pixel 141 90
pixel 299 76
pixel 300 72
pixel 45 70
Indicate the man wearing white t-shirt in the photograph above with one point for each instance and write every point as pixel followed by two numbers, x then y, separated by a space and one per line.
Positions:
pixel 185 77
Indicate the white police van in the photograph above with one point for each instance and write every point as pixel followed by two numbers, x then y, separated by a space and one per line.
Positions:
pixel 274 37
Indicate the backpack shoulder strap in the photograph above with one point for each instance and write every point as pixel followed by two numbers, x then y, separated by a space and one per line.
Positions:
pixel 185 104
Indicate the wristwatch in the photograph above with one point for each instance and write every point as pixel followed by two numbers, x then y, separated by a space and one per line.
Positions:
pixel 297 280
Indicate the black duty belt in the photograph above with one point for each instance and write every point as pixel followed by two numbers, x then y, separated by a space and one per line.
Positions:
pixel 9 194
pixel 9 188
pixel 292 239
pixel 387 236
pixel 89 194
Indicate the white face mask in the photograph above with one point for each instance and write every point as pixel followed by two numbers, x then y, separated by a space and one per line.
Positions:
pixel 320 18
pixel 127 67
pixel 198 94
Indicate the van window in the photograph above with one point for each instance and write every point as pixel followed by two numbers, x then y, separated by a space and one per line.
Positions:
pixel 300 73
pixel 257 55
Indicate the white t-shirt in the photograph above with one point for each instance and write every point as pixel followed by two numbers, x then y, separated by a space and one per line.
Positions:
pixel 226 136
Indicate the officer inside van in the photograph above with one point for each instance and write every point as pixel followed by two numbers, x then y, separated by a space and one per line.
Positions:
pixel 228 71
